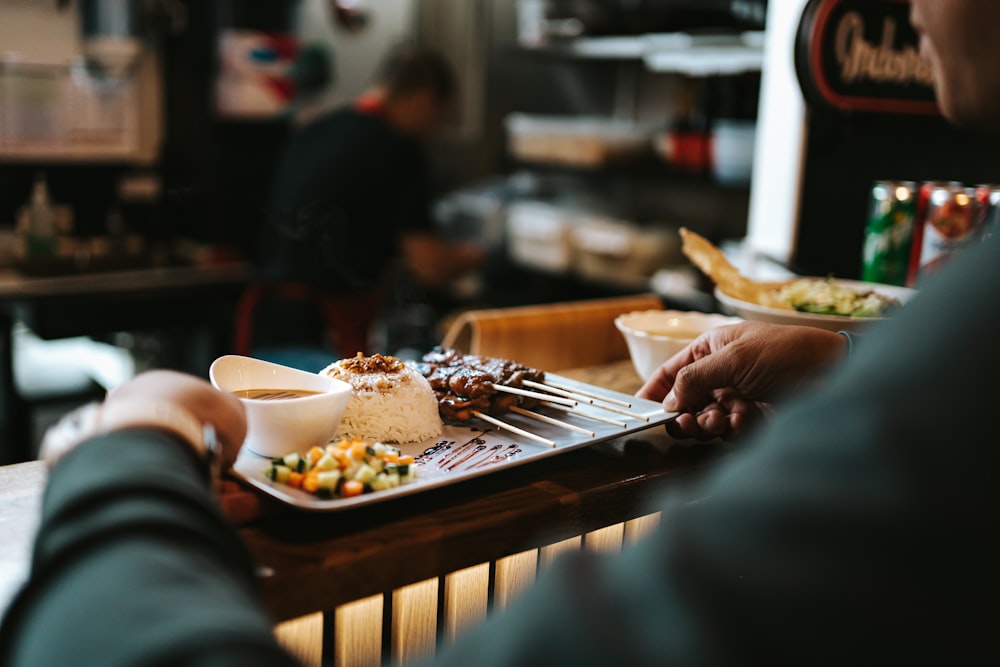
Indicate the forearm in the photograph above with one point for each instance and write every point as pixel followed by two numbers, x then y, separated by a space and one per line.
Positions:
pixel 134 562
pixel 435 262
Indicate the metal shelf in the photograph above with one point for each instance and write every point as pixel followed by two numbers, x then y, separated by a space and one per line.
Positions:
pixel 678 53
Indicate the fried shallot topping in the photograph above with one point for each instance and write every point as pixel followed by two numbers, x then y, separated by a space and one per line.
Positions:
pixel 373 364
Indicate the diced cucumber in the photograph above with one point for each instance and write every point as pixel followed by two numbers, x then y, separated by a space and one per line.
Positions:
pixel 295 462
pixel 328 479
pixel 277 473
pixel 365 474
pixel 372 470
pixel 327 462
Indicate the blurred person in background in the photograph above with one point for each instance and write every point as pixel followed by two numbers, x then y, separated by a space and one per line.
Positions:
pixel 351 200
pixel 856 527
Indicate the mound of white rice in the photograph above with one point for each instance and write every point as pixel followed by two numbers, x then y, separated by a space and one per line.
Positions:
pixel 392 401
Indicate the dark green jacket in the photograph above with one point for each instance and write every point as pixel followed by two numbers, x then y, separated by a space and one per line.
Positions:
pixel 135 565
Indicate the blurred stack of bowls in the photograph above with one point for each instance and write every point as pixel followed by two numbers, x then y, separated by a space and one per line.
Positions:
pixel 594 247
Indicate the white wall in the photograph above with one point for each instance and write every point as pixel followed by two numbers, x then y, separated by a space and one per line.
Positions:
pixel 356 56
pixel 777 170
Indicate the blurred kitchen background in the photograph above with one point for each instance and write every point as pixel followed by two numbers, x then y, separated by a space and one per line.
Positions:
pixel 582 141
pixel 138 139
pixel 587 133
pixel 579 113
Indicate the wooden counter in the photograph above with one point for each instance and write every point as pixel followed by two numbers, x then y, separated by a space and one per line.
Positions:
pixel 398 542
pixel 400 576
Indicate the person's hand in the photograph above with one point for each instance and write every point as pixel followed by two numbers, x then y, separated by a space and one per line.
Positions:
pixel 206 403
pixel 724 380
pixel 435 262
pixel 241 504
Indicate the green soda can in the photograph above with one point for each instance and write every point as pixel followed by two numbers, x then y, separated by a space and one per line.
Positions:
pixel 889 233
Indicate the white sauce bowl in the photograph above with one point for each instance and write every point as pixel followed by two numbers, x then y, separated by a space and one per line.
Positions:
pixel 279 427
pixel 653 336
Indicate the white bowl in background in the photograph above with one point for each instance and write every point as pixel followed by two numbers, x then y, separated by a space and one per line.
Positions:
pixel 758 313
pixel 279 427
pixel 653 336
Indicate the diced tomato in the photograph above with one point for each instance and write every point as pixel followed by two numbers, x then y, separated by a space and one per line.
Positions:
pixel 352 487
pixel 358 448
pixel 355 458
pixel 310 482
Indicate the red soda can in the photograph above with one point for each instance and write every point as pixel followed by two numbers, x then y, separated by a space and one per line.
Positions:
pixel 923 198
pixel 951 223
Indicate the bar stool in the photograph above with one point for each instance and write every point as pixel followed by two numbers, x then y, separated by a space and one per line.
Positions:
pixel 549 336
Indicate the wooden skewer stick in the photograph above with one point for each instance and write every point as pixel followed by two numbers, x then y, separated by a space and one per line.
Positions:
pixel 580 413
pixel 513 429
pixel 535 394
pixel 583 392
pixel 633 415
pixel 604 403
pixel 549 420
pixel 559 392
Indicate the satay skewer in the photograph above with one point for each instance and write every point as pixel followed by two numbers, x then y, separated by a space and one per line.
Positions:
pixel 612 408
pixel 513 429
pixel 549 420
pixel 587 415
pixel 558 392
pixel 583 392
pixel 602 402
pixel 534 394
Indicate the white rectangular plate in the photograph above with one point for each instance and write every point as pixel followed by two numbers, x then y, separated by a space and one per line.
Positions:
pixel 467 451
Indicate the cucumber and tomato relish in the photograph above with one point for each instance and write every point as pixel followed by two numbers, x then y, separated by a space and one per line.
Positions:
pixel 343 469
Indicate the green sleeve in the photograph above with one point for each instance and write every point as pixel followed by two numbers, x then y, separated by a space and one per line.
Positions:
pixel 858 528
pixel 135 565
